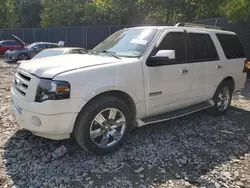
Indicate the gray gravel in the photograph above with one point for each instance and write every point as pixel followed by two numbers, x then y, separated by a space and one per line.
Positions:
pixel 194 151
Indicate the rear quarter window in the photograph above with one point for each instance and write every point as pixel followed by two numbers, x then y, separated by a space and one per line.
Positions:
pixel 231 46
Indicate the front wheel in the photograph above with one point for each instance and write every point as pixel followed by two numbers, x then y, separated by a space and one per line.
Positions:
pixel 222 98
pixel 23 56
pixel 103 125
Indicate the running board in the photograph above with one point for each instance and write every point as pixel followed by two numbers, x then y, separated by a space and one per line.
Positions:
pixel 175 114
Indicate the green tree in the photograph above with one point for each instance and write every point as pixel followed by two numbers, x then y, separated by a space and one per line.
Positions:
pixel 236 10
pixel 27 12
pixel 52 13
pixel 62 12
pixel 7 17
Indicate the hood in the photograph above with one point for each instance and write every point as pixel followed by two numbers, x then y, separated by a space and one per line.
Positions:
pixel 49 67
pixel 22 44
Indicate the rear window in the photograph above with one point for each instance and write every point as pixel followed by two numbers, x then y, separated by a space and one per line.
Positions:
pixel 201 48
pixel 231 46
pixel 10 43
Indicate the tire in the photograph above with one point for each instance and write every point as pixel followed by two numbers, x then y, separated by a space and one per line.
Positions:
pixel 225 90
pixel 108 140
pixel 23 56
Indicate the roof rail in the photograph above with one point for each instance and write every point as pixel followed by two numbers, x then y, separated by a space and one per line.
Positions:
pixel 186 24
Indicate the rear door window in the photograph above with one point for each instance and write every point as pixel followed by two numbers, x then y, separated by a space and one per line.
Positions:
pixel 14 43
pixel 51 46
pixel 83 51
pixel 200 47
pixel 10 43
pixel 231 46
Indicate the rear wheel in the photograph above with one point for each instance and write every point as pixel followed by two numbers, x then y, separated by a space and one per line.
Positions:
pixel 222 98
pixel 22 56
pixel 103 126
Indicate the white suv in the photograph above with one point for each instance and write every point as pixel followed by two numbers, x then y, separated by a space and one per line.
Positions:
pixel 135 77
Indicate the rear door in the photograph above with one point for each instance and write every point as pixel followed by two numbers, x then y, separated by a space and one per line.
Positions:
pixel 207 67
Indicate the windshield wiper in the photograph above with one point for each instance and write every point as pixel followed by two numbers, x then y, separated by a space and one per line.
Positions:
pixel 112 54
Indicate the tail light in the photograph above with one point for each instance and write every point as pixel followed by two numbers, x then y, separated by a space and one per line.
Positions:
pixel 245 69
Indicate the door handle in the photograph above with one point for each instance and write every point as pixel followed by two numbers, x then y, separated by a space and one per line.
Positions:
pixel 184 71
pixel 218 66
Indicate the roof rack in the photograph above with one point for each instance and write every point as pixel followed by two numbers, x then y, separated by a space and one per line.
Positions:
pixel 185 24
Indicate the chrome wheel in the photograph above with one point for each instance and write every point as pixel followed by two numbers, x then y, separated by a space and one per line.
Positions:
pixel 223 99
pixel 108 127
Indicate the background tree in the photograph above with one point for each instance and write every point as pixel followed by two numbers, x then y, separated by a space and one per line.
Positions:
pixel 27 13
pixel 236 10
pixel 7 17
pixel 62 13
pixel 55 13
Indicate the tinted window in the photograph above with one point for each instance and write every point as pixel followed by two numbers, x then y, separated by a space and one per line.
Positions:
pixel 51 46
pixel 10 43
pixel 174 41
pixel 83 51
pixel 14 43
pixel 78 51
pixel 75 51
pixel 39 46
pixel 231 46
pixel 201 47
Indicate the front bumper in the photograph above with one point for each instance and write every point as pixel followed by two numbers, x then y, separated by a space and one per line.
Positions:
pixel 10 57
pixel 53 123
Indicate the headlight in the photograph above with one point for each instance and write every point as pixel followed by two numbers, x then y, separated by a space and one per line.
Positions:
pixel 52 90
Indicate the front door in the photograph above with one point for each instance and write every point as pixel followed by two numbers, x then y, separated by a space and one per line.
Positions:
pixel 168 87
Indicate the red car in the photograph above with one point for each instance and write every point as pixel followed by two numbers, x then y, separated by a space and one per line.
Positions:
pixel 6 45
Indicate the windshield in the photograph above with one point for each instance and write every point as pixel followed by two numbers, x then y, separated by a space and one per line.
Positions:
pixel 30 46
pixel 127 43
pixel 47 53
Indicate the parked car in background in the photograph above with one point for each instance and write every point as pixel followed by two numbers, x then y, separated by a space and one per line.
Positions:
pixel 27 51
pixel 60 51
pixel 6 45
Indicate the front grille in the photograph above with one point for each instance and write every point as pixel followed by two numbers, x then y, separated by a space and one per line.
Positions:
pixel 21 82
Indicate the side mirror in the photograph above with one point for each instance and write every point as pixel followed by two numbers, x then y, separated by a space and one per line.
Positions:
pixel 162 57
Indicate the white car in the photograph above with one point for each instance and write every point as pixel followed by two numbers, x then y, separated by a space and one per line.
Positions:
pixel 135 77
pixel 58 51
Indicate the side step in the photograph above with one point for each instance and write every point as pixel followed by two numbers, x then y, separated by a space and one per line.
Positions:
pixel 177 113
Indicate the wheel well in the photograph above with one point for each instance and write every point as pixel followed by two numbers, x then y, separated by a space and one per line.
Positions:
pixel 231 80
pixel 126 98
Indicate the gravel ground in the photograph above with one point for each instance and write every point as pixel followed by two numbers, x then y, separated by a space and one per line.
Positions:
pixel 194 151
